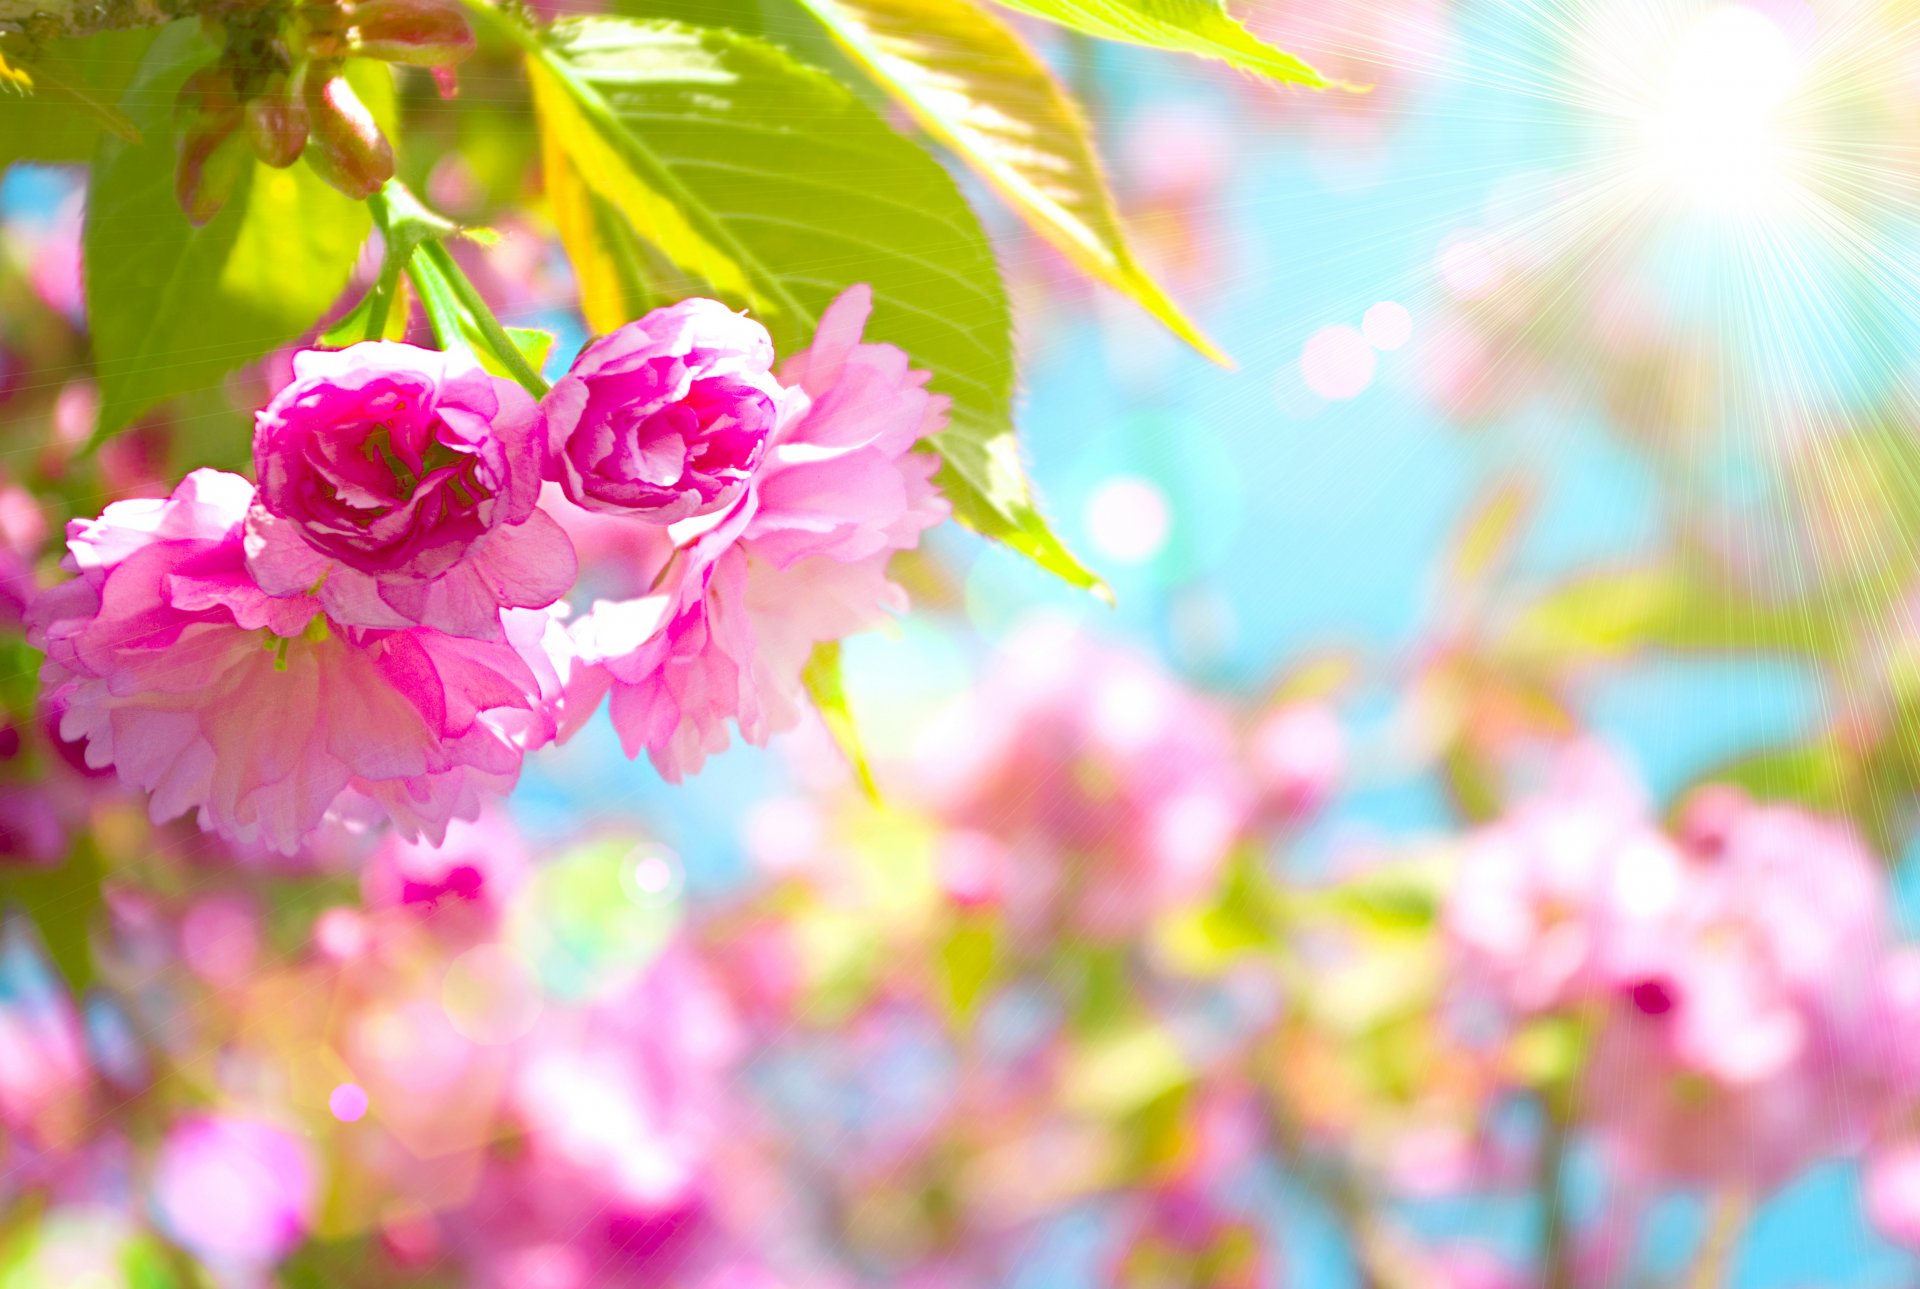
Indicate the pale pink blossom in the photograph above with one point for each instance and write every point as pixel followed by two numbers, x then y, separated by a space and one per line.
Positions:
pixel 743 597
pixel 1732 978
pixel 667 417
pixel 1891 1191
pixel 255 712
pixel 45 1075
pixel 1556 902
pixel 400 486
pixel 1095 788
pixel 235 1191
pixel 462 884
pixel 23 532
pixel 1297 754
pixel 621 1105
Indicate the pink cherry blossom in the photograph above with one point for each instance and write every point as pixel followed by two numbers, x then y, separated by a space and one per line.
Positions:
pixel 1892 1192
pixel 1297 754
pixel 23 531
pixel 45 1076
pixel 621 1104
pixel 1111 791
pixel 742 598
pixel 400 486
pixel 668 416
pixel 256 712
pixel 1554 903
pixel 233 1190
pixel 1733 978
pixel 462 884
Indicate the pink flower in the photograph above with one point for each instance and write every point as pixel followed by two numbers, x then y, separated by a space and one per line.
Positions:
pixel 1558 901
pixel 46 1079
pixel 743 596
pixel 23 530
pixel 1734 984
pixel 667 417
pixel 233 1190
pixel 1892 1193
pixel 1297 754
pixel 400 486
pixel 1110 789
pixel 259 714
pixel 622 1107
pixel 460 886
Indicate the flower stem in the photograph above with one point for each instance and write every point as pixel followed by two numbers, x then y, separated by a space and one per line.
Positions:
pixel 437 299
pixel 492 334
pixel 1714 1261
pixel 1556 1267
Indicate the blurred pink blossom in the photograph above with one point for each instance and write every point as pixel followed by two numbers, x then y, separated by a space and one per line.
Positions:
pixel 233 1190
pixel 1112 791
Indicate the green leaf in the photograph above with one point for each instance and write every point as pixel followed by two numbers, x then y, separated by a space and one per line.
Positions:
pixel 62 902
pixel 969 965
pixel 1202 27
pixel 173 307
pixel 827 688
pixel 1824 775
pixel 75 85
pixel 1680 607
pixel 968 79
pixel 777 187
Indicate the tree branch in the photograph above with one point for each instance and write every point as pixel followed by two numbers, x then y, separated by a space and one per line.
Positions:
pixel 51 19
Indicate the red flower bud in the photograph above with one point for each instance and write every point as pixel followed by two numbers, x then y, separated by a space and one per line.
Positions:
pixel 206 96
pixel 421 33
pixel 348 150
pixel 213 156
pixel 277 122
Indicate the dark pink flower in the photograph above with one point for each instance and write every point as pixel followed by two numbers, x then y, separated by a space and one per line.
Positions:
pixel 258 713
pixel 667 417
pixel 400 486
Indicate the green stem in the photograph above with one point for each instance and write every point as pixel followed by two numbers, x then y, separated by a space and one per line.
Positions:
pixel 398 251
pixel 442 308
pixel 1714 1260
pixel 1556 1265
pixel 481 316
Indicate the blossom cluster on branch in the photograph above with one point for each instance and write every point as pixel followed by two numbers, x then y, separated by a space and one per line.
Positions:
pixel 375 630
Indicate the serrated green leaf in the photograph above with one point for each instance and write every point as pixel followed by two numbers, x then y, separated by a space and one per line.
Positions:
pixel 971 82
pixel 1202 27
pixel 779 189
pixel 172 307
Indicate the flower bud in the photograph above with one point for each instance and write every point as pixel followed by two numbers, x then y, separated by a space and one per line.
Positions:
pixel 277 123
pixel 422 33
pixel 213 156
pixel 206 95
pixel 347 149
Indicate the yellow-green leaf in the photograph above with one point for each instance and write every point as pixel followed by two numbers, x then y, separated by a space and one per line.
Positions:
pixel 971 82
pixel 1202 27
pixel 827 688
pixel 779 188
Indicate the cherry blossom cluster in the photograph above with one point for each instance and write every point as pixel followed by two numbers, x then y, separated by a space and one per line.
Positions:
pixel 375 628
